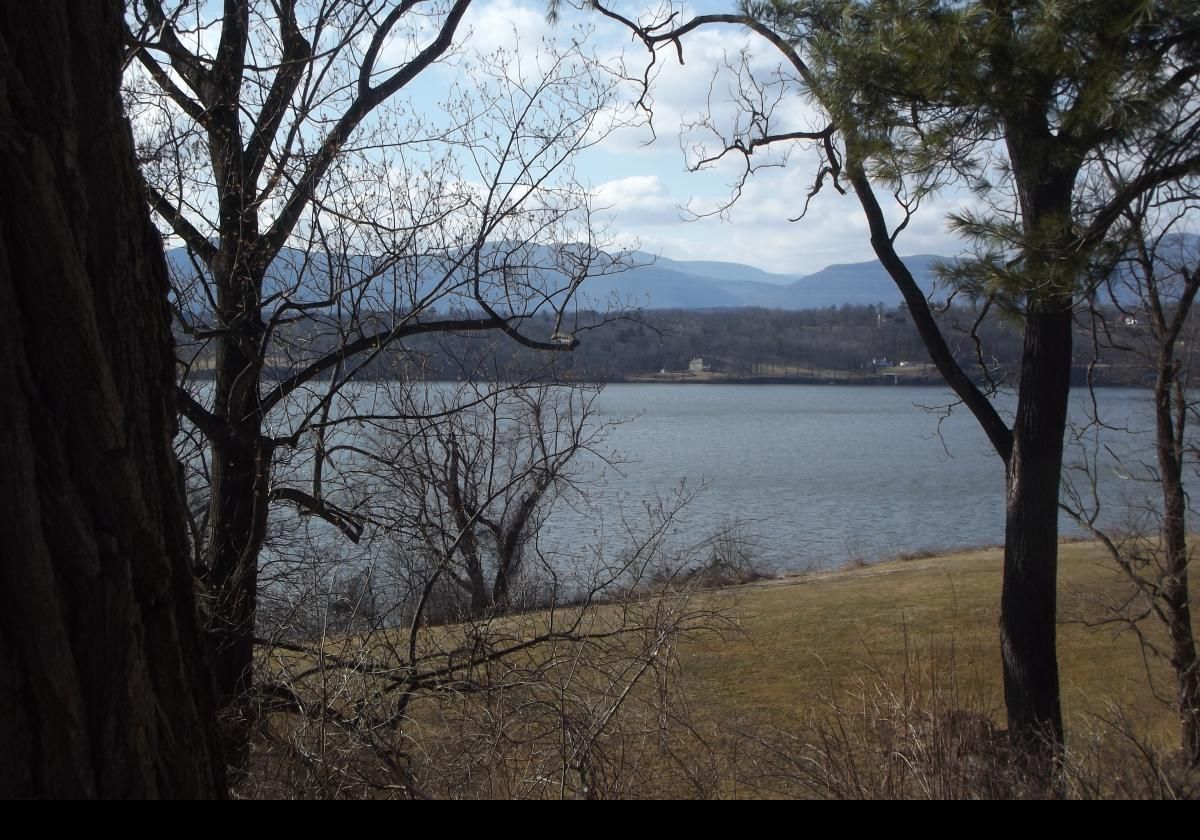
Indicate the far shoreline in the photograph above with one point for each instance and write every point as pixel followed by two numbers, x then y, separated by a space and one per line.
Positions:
pixel 885 380
pixel 848 378
pixel 841 378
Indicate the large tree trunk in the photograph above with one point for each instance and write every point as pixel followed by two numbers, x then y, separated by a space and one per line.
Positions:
pixel 103 685
pixel 1032 454
pixel 1028 599
pixel 1044 175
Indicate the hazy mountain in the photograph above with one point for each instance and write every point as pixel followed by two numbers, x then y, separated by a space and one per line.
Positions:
pixel 654 283
pixel 659 287
pixel 714 270
pixel 692 284
pixel 660 283
pixel 860 283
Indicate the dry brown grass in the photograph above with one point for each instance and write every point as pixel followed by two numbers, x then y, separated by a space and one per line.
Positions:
pixel 804 638
pixel 876 681
pixel 917 640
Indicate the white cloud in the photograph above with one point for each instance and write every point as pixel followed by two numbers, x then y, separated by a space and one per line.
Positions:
pixel 507 25
pixel 637 200
pixel 756 230
pixel 642 189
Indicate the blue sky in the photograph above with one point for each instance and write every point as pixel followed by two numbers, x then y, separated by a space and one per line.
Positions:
pixel 645 183
pixel 644 192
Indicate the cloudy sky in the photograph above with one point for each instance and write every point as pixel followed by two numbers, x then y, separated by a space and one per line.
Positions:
pixel 642 178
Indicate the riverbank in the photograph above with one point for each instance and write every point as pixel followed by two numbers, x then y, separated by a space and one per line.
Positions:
pixel 916 375
pixel 829 377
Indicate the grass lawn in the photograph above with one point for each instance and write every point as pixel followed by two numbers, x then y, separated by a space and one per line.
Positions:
pixel 808 638
pixel 845 683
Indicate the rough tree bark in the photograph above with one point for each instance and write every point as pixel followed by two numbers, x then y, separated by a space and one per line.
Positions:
pixel 1171 414
pixel 103 687
pixel 1028 601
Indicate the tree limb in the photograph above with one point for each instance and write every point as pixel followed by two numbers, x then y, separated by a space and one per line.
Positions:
pixel 345 521
pixel 994 427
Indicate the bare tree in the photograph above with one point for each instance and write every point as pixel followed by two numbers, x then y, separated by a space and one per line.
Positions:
pixel 467 497
pixel 1154 277
pixel 480 640
pixel 104 686
pixel 328 224
pixel 558 680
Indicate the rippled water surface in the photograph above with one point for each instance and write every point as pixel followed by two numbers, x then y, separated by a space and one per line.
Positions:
pixel 820 475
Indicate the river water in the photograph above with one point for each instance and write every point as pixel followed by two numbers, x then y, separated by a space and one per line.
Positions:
pixel 808 476
pixel 817 476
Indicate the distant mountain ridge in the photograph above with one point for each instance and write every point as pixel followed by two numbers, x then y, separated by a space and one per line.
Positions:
pixel 664 283
pixel 682 284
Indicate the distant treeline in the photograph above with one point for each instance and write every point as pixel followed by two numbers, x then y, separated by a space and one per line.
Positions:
pixel 748 344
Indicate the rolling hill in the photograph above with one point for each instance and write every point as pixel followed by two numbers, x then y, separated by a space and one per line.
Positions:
pixel 662 283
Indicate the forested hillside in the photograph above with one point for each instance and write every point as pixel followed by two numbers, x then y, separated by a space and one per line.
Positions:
pixel 862 342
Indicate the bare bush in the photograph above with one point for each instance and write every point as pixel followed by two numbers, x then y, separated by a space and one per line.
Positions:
pixel 921 731
pixel 570 701
pixel 910 734
pixel 728 556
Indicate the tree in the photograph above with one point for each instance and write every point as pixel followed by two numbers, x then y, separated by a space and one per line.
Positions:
pixel 1153 280
pixel 104 685
pixel 491 649
pixel 1016 101
pixel 325 233
pixel 467 498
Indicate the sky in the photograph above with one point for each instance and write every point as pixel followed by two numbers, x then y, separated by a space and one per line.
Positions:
pixel 645 195
pixel 641 178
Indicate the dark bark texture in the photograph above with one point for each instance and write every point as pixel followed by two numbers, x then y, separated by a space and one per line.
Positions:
pixel 1045 168
pixel 103 687
pixel 1176 608
pixel 1028 600
pixel 1171 416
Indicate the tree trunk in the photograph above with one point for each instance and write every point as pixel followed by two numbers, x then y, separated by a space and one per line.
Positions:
pixel 1187 667
pixel 1032 454
pixel 1177 607
pixel 104 689
pixel 1029 595
pixel 240 487
pixel 1044 173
